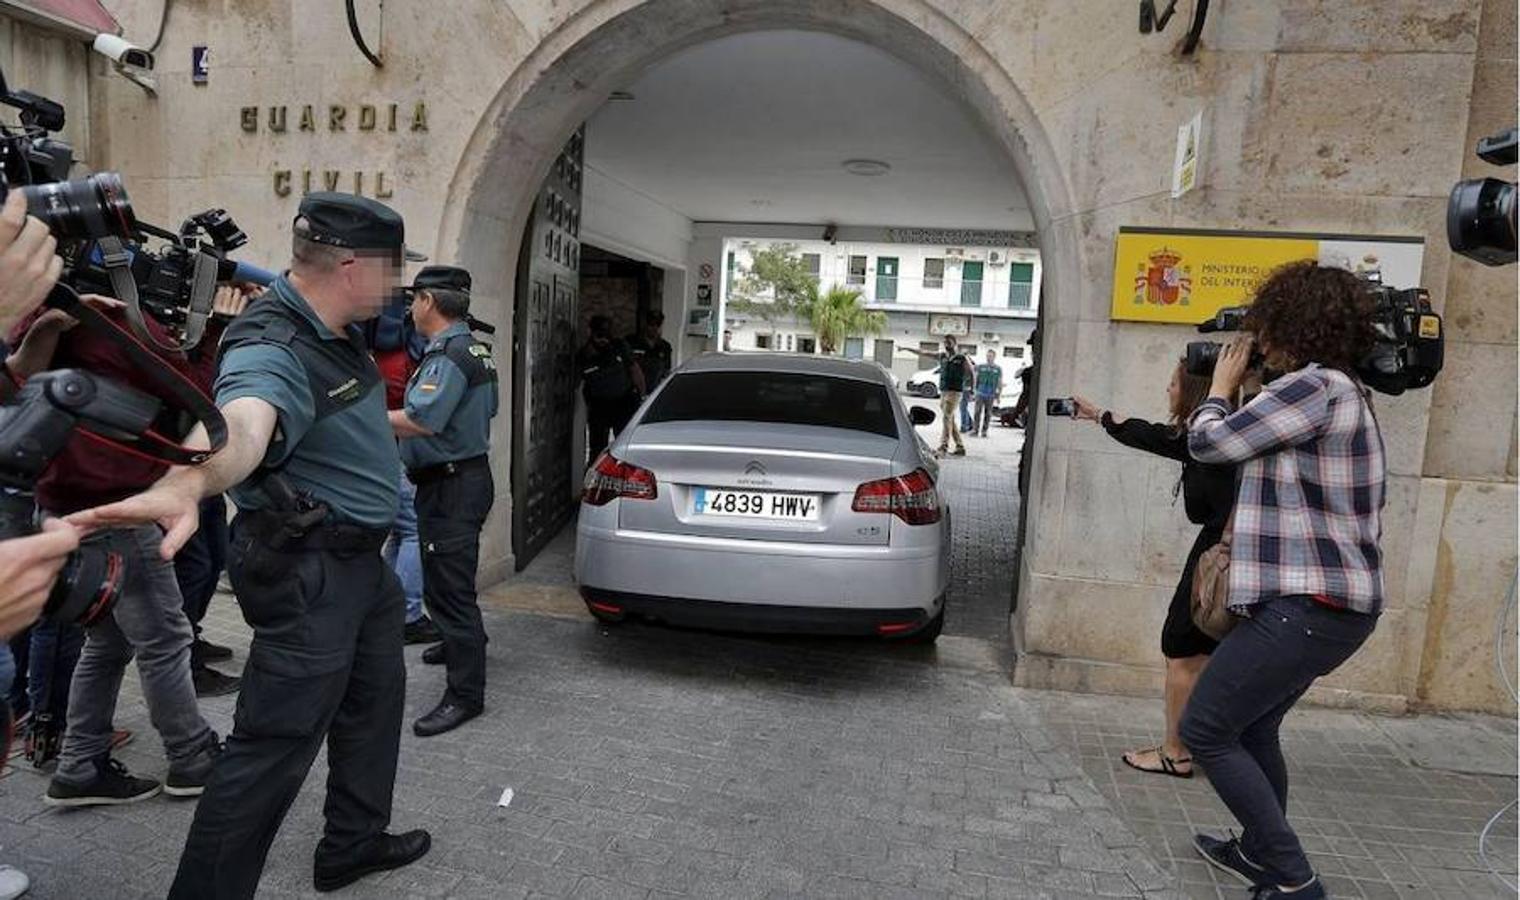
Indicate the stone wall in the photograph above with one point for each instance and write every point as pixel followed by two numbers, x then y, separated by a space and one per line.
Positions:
pixel 1346 116
pixel 54 65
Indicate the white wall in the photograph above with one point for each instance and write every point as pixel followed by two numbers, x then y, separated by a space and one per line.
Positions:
pixel 621 219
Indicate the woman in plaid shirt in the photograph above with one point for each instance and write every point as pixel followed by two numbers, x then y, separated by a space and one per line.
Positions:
pixel 1306 568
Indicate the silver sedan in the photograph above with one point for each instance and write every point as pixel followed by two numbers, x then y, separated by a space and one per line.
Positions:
pixel 766 492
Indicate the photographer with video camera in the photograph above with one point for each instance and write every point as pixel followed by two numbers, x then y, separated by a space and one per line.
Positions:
pixel 148 621
pixel 1305 566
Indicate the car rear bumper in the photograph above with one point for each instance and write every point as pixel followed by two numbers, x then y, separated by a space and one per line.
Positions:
pixel 758 617
pixel 865 579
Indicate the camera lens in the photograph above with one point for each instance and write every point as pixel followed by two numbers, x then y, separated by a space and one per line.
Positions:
pixel 86 208
pixel 1201 357
pixel 87 587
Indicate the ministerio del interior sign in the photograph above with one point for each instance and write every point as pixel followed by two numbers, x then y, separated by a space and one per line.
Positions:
pixel 1187 275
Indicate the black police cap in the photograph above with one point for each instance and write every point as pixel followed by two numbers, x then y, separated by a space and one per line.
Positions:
pixel 444 278
pixel 354 222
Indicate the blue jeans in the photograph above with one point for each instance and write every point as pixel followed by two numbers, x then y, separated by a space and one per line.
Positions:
pixel 403 553
pixel 966 423
pixel 198 565
pixel 1231 723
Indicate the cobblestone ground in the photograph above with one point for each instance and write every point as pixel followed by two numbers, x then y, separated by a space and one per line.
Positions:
pixel 649 762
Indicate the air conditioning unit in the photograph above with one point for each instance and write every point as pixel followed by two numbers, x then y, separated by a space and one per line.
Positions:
pixel 996 258
pixel 955 252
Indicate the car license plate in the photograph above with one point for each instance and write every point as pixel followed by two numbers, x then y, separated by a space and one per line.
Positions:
pixel 755 504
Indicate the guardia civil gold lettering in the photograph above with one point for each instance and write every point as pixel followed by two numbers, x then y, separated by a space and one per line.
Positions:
pixel 250 118
pixel 367 118
pixel 282 183
pixel 277 119
pixel 335 118
pixel 308 119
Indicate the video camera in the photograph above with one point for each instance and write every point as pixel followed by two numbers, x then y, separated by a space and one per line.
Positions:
pixel 102 241
pixel 1480 214
pixel 1408 351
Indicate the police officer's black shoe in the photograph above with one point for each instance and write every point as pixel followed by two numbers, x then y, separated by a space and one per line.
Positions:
pixel 422 631
pixel 433 655
pixel 211 683
pixel 446 716
pixel 380 853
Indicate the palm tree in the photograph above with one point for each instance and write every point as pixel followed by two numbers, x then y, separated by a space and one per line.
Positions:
pixel 839 314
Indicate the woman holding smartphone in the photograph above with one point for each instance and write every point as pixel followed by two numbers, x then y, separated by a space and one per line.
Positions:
pixel 1208 492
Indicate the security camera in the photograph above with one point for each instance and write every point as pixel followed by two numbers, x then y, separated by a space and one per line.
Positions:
pixel 122 52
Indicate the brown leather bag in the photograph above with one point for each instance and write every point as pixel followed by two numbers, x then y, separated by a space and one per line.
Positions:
pixel 1211 587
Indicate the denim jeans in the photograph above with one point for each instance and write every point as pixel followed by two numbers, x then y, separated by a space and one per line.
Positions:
pixel 52 652
pixel 198 565
pixel 965 412
pixel 403 553
pixel 149 622
pixel 1231 723
pixel 7 669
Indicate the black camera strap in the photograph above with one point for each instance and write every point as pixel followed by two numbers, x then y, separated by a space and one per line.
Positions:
pixel 118 265
pixel 181 390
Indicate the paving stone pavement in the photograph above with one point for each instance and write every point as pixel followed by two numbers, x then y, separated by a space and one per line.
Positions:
pixel 648 762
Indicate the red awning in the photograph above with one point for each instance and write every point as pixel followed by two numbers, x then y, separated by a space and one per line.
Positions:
pixel 87 15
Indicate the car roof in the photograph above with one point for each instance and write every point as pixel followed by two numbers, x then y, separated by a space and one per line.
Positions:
pixel 803 363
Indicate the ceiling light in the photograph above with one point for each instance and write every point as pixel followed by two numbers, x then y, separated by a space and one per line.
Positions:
pixel 621 95
pixel 866 167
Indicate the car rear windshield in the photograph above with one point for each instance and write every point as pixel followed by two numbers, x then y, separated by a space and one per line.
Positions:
pixel 789 398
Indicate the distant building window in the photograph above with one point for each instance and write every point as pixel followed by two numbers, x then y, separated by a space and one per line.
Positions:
pixel 814 264
pixel 854 348
pixel 934 274
pixel 762 342
pixel 806 345
pixel 968 349
pixel 789 343
pixel 1021 283
pixel 728 275
pixel 857 272
pixel 1013 352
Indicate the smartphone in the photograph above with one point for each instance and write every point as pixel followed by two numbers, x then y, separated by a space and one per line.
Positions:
pixel 1062 406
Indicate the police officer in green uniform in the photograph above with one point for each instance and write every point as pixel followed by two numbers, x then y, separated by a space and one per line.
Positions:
pixel 311 463
pixel 445 429
pixel 651 352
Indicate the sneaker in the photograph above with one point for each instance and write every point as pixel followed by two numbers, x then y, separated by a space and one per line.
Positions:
pixel 959 451
pixel 13 883
pixel 422 631
pixel 188 777
pixel 1227 857
pixel 111 786
pixel 1313 889
pixel 211 683
pixel 203 651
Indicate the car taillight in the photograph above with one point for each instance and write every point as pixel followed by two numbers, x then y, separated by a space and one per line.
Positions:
pixel 611 478
pixel 910 497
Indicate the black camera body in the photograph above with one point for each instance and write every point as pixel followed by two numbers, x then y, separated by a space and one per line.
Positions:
pixel 1408 352
pixel 33 429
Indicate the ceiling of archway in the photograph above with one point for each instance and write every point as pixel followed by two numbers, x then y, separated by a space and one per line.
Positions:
pixel 756 127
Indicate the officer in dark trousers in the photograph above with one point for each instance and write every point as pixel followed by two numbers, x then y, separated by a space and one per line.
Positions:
pixel 651 352
pixel 445 429
pixel 311 463
pixel 611 383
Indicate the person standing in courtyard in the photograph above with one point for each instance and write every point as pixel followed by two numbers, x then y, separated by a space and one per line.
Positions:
pixel 445 431
pixel 311 463
pixel 989 383
pixel 1208 493
pixel 611 383
pixel 955 374
pixel 1306 565
pixel 651 352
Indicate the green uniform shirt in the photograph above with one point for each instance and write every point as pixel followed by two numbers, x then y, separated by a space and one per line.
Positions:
pixel 952 371
pixel 989 380
pixel 347 459
pixel 441 399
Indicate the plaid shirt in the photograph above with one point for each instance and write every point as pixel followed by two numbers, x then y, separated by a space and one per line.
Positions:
pixel 1308 514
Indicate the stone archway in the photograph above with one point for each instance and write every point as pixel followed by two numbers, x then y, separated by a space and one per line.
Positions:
pixel 601 48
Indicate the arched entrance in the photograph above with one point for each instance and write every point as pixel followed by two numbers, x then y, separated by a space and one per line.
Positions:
pixel 575 67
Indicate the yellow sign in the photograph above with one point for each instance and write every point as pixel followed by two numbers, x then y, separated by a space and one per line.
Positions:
pixel 1179 277
pixel 1182 275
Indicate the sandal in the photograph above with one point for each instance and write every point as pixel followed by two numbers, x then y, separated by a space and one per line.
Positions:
pixel 1168 765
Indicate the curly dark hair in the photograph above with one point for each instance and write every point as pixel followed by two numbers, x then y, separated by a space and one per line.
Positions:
pixel 1312 313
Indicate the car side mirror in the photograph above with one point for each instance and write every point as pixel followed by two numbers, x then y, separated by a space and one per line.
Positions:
pixel 918 415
